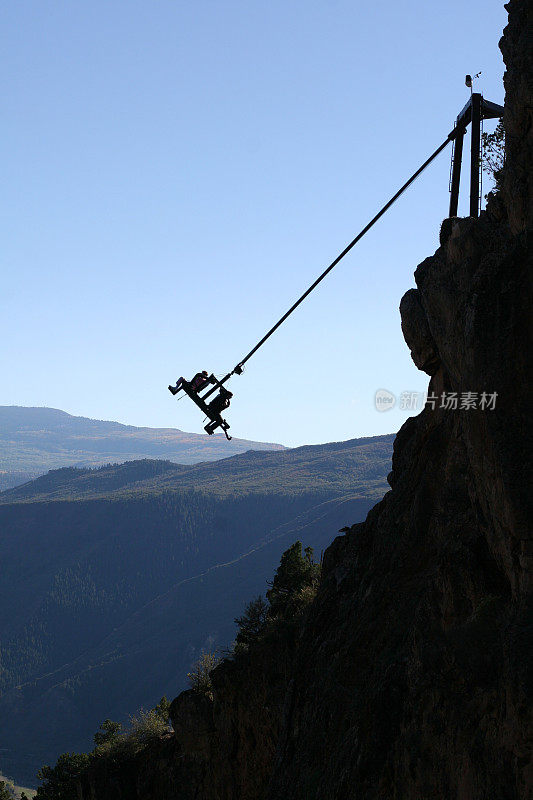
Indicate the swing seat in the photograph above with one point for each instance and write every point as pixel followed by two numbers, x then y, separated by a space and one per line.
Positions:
pixel 215 423
pixel 216 419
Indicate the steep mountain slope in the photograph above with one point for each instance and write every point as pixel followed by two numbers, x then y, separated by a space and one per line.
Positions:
pixel 409 677
pixel 137 567
pixel 34 440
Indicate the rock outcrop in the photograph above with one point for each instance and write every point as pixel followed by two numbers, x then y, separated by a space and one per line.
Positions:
pixel 518 119
pixel 411 678
pixel 222 747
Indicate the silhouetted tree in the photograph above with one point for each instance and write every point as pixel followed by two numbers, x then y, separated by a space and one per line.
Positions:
pixel 59 781
pixel 162 709
pixel 200 676
pixel 5 794
pixel 494 154
pixel 296 573
pixel 252 621
pixel 108 731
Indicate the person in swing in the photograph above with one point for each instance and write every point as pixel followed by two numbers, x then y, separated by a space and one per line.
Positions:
pixel 221 401
pixel 215 408
pixel 200 380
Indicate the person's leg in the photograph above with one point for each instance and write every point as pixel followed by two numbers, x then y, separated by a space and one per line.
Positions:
pixel 179 383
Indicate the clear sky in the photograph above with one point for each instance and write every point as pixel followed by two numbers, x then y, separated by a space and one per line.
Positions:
pixel 177 173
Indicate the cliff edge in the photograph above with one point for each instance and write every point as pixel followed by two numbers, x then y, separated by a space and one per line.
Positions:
pixel 413 678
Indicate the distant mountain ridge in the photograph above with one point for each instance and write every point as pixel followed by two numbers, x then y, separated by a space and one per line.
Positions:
pixel 34 440
pixel 327 467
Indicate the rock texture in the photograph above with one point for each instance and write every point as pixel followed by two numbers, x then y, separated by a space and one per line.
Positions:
pixel 222 747
pixel 518 119
pixel 411 679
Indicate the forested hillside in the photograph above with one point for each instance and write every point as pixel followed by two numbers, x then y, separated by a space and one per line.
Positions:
pixel 34 440
pixel 133 569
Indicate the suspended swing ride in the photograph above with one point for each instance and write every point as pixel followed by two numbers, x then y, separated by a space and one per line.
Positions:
pixel 475 110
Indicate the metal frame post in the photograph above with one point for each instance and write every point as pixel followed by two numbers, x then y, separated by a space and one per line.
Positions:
pixel 456 171
pixel 474 154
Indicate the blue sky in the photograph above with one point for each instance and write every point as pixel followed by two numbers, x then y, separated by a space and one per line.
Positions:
pixel 178 173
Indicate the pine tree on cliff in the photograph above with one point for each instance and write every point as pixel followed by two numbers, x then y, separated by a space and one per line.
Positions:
pixel 107 733
pixel 58 781
pixel 5 794
pixel 296 573
pixel 252 622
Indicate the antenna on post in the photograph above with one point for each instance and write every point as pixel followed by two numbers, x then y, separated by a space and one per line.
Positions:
pixel 469 81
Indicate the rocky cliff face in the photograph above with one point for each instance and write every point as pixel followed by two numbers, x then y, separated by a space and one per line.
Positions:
pixel 413 679
pixel 518 56
pixel 222 747
pixel 411 676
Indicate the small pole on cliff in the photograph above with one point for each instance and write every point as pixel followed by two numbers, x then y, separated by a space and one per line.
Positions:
pixel 474 154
